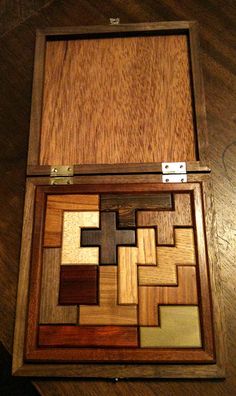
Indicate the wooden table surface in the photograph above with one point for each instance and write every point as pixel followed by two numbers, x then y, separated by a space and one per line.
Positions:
pixel 217 34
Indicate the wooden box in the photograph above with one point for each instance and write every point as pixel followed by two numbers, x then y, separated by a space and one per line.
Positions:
pixel 118 272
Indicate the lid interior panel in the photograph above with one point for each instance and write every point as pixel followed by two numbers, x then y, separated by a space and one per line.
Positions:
pixel 117 100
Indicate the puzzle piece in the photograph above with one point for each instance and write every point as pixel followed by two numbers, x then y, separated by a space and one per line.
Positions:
pixel 108 312
pixel 72 252
pixel 166 220
pixel 165 273
pixel 50 311
pixel 129 258
pixel 78 284
pixel 127 204
pixel 108 238
pixel 180 328
pixel 150 297
pixel 88 336
pixel 56 205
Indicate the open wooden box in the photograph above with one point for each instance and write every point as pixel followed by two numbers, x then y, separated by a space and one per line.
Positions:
pixel 118 272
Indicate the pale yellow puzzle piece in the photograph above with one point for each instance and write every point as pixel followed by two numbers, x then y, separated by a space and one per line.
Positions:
pixel 72 252
pixel 180 328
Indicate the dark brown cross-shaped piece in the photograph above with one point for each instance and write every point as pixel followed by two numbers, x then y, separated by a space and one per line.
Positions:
pixel 108 237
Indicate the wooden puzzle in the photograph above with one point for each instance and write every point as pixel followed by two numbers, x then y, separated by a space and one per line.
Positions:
pixel 118 276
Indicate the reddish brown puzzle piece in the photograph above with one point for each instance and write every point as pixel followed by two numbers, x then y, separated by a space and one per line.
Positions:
pixel 78 284
pixel 99 336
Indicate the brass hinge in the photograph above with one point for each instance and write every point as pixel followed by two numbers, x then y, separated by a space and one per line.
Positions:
pixel 61 174
pixel 61 180
pixel 174 172
pixel 62 170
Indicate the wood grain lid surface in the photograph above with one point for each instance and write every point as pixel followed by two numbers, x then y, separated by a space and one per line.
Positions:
pixel 117 100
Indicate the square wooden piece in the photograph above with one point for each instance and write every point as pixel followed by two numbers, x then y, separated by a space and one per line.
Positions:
pixel 78 285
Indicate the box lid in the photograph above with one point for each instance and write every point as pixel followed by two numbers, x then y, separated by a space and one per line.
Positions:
pixel 112 99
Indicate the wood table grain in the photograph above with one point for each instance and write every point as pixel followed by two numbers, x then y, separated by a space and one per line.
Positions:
pixel 217 34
